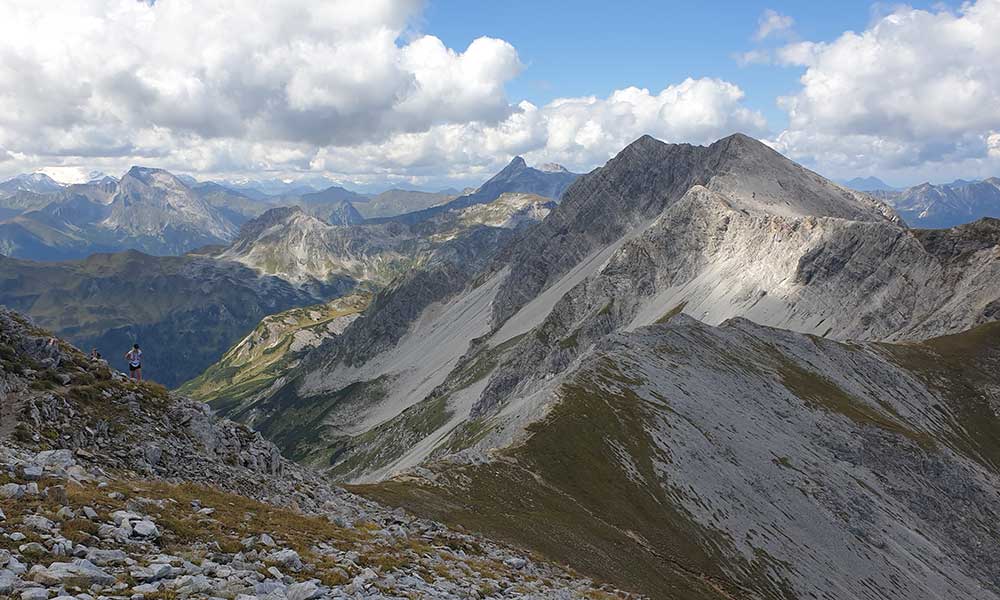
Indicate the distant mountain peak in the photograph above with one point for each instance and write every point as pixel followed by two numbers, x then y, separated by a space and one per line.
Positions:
pixel 868 184
pixel 516 163
pixel 38 183
pixel 147 174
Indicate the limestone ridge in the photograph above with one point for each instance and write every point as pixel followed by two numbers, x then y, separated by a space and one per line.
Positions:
pixel 122 489
pixel 728 230
pixel 647 177
pixel 661 229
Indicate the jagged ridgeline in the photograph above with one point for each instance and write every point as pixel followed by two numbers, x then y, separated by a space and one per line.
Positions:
pixel 113 489
pixel 707 373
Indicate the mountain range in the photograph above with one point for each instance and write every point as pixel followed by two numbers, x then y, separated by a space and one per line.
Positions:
pixel 187 310
pixel 935 206
pixel 698 372
pixel 707 372
pixel 154 211
pixel 149 210
pixel 868 184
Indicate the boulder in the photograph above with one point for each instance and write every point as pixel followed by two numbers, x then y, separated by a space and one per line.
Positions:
pixel 80 573
pixel 145 529
pixel 303 591
pixel 39 523
pixel 8 581
pixel 54 458
pixel 11 490
pixel 35 594
pixel 32 472
pixel 286 558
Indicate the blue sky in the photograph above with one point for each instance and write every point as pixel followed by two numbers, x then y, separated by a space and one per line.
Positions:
pixel 591 47
pixel 432 93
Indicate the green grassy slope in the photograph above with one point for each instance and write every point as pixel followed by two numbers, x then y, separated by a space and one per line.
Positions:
pixel 269 352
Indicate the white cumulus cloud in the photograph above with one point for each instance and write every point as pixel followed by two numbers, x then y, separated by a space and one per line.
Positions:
pixel 346 87
pixel 578 132
pixel 918 91
pixel 772 23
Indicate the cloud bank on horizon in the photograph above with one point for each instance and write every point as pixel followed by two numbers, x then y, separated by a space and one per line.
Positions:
pixel 353 90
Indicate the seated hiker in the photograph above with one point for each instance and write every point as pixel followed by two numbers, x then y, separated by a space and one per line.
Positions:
pixel 134 358
pixel 94 354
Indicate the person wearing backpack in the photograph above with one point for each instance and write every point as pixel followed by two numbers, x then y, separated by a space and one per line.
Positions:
pixel 134 358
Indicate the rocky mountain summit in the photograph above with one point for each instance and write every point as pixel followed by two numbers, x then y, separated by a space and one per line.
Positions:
pixel 111 489
pixel 152 203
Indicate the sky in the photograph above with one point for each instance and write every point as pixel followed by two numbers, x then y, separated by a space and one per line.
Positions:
pixel 435 93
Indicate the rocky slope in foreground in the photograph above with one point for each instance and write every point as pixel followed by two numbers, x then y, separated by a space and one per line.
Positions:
pixel 114 490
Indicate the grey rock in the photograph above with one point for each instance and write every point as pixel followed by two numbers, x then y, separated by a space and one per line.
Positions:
pixel 286 558
pixel 79 573
pixel 35 594
pixel 33 549
pixel 8 582
pixel 55 458
pixel 33 472
pixel 39 523
pixel 303 591
pixel 145 529
pixel 11 490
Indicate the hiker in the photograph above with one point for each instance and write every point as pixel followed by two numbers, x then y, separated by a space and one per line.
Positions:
pixel 134 358
pixel 94 354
